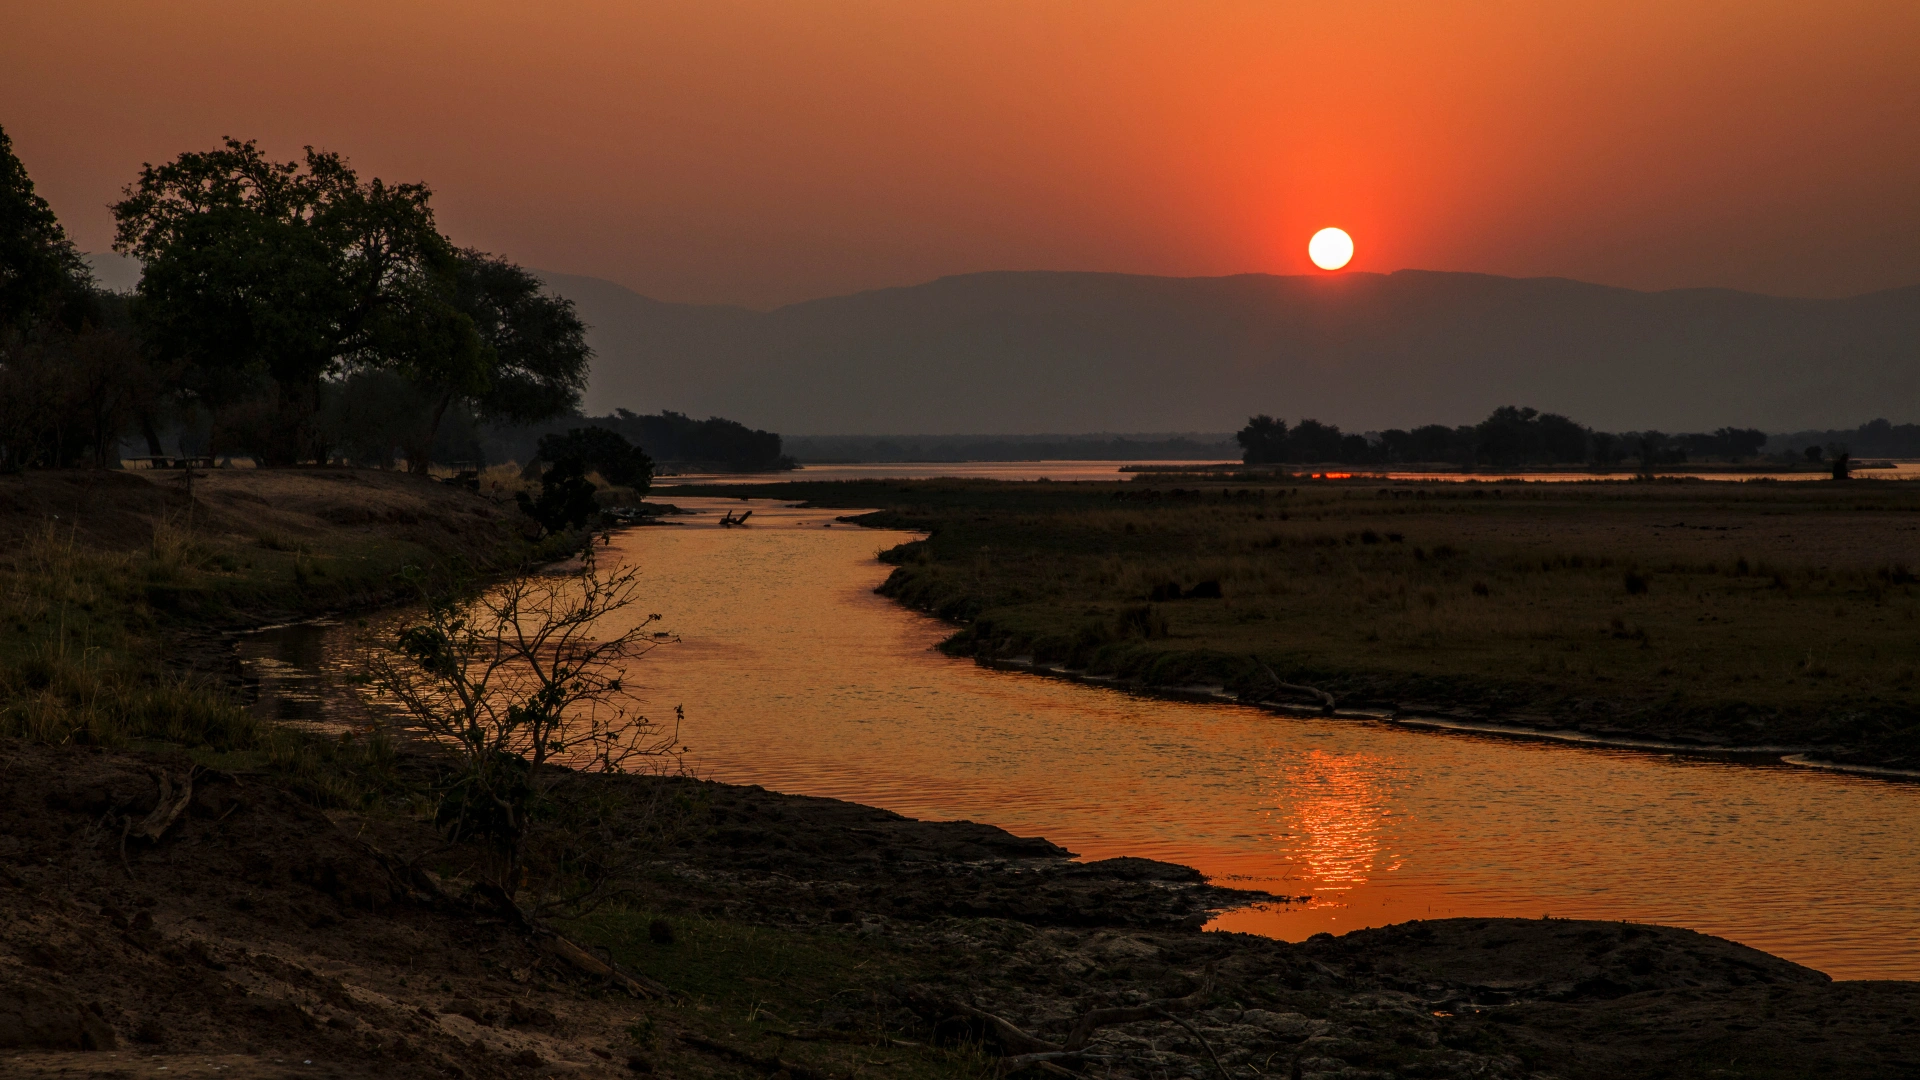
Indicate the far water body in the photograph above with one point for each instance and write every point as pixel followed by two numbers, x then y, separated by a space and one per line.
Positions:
pixel 796 676
pixel 1125 470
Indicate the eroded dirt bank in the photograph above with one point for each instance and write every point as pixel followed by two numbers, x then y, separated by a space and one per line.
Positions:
pixel 261 937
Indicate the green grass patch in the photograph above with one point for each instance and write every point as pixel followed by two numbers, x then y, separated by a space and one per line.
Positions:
pixel 744 983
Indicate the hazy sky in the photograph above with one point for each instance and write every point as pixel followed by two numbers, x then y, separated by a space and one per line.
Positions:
pixel 763 152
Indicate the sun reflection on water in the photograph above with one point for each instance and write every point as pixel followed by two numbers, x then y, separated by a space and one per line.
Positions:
pixel 1336 819
pixel 795 675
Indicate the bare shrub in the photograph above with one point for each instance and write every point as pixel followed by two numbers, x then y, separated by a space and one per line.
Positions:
pixel 517 679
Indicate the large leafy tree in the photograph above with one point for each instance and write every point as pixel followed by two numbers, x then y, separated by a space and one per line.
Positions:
pixel 529 358
pixel 265 276
pixel 71 377
pixel 1263 441
pixel 41 274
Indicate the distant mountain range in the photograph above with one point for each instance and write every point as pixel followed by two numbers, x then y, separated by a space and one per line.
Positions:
pixel 1064 352
pixel 1024 352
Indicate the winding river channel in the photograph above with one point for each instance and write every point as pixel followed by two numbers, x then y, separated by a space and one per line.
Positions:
pixel 796 676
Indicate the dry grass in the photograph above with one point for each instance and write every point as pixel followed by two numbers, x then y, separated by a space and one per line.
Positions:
pixel 1747 611
pixel 110 581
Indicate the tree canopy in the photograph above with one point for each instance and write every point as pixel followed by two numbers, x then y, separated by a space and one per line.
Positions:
pixel 526 362
pixel 286 272
pixel 266 279
pixel 618 461
pixel 1509 436
pixel 40 272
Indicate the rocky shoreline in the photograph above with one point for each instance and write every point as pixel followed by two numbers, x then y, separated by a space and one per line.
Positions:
pixel 268 938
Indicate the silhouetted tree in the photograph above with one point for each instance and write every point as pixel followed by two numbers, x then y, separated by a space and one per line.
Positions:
pixel 1743 443
pixel 1263 441
pixel 566 498
pixel 42 278
pixel 531 361
pixel 288 271
pixel 618 461
pixel 71 377
pixel 1312 440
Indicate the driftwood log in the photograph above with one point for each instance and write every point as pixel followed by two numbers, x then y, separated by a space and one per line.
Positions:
pixel 173 802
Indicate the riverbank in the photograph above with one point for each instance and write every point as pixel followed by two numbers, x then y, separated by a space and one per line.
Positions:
pixel 272 922
pixel 118 588
pixel 259 936
pixel 1738 615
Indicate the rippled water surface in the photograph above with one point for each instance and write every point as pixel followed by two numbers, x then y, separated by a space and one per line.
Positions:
pixel 796 676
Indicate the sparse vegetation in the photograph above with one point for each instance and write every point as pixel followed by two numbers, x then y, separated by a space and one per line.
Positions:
pixel 107 597
pixel 514 678
pixel 1681 610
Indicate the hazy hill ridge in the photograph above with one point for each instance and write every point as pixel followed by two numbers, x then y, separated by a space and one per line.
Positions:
pixel 1063 352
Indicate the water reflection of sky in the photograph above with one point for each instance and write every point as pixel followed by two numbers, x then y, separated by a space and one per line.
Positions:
pixel 796 676
pixel 1111 470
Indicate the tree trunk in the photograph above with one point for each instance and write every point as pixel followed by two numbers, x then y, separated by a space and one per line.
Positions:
pixel 420 460
pixel 152 436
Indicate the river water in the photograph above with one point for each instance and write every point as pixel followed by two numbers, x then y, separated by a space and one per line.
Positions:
pixel 796 676
pixel 1125 470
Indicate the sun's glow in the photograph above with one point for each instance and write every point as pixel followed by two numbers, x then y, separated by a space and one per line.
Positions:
pixel 1330 249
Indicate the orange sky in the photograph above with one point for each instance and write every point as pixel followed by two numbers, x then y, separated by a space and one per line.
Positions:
pixel 763 152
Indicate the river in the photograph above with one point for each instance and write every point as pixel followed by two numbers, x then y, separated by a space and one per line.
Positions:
pixel 795 675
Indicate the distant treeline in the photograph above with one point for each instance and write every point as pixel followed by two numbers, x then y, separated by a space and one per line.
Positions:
pixel 670 438
pixel 1878 438
pixel 1510 436
pixel 944 448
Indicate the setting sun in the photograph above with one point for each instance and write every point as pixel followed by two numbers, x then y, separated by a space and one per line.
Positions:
pixel 1330 249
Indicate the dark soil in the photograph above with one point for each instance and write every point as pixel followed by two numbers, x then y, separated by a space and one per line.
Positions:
pixel 1040 941
pixel 263 937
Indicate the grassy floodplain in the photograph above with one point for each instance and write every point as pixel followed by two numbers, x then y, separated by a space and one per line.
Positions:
pixel 1756 613
pixel 116 587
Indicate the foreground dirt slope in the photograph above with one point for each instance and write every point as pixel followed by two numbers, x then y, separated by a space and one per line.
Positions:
pixel 256 930
pixel 261 937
